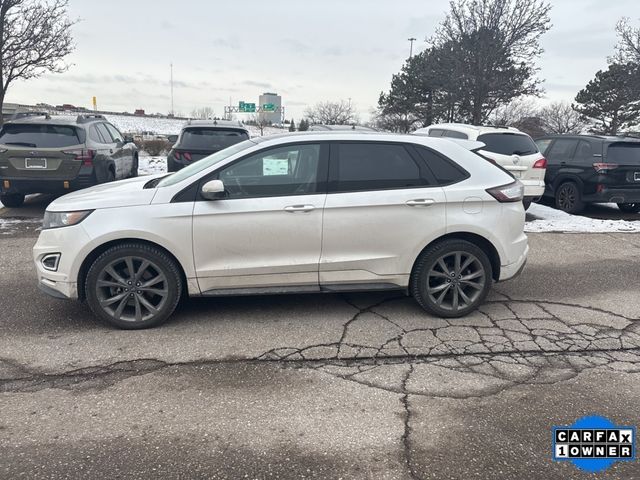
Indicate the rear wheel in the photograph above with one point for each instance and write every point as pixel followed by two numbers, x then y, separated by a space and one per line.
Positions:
pixel 629 207
pixel 568 198
pixel 134 166
pixel 12 200
pixel 451 278
pixel 133 286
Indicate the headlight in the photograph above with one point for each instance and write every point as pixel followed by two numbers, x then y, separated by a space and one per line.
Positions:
pixel 63 219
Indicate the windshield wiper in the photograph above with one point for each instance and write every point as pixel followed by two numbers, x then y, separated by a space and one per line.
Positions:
pixel 153 183
pixel 22 144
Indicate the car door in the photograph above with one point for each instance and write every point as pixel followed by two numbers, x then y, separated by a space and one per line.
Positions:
pixel 110 150
pixel 381 211
pixel 121 155
pixel 559 157
pixel 266 233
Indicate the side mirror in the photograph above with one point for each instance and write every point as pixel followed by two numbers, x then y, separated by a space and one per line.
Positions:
pixel 128 139
pixel 213 190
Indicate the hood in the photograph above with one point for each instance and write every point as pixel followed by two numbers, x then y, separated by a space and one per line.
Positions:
pixel 123 193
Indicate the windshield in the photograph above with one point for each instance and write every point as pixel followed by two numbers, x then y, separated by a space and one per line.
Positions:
pixel 211 138
pixel 205 163
pixel 39 136
pixel 508 144
pixel 624 153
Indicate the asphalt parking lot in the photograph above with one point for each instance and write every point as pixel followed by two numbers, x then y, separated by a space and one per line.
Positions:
pixel 322 386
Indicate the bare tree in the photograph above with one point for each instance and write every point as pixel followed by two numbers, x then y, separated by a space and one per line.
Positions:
pixel 203 113
pixel 514 112
pixel 628 47
pixel 260 121
pixel 35 37
pixel 332 113
pixel 560 118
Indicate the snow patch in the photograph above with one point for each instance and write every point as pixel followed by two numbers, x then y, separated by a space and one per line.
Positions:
pixel 549 219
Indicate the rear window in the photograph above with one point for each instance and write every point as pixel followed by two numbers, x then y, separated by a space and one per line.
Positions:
pixel 211 138
pixel 39 136
pixel 624 153
pixel 508 144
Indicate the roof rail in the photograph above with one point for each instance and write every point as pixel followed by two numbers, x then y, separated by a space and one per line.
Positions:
pixel 87 117
pixel 19 115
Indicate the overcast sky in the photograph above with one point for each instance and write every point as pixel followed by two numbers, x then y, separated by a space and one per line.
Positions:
pixel 305 51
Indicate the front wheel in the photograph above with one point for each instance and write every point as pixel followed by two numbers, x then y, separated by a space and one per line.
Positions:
pixel 451 278
pixel 134 166
pixel 12 200
pixel 629 207
pixel 133 286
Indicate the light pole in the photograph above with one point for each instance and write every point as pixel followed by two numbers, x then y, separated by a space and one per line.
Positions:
pixel 412 39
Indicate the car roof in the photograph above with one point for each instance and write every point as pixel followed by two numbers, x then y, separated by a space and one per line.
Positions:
pixel 465 128
pixel 43 119
pixel 606 138
pixel 215 123
pixel 321 127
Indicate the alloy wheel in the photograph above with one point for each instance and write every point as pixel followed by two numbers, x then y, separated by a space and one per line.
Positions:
pixel 132 289
pixel 567 196
pixel 455 281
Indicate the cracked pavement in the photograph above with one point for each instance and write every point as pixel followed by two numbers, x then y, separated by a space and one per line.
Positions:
pixel 324 386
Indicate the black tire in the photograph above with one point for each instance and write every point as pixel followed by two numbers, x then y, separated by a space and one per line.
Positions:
pixel 569 198
pixel 629 207
pixel 111 176
pixel 428 273
pixel 12 200
pixel 134 166
pixel 526 204
pixel 135 292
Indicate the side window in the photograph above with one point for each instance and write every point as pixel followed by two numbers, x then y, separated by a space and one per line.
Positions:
pixel 104 133
pixel 543 144
pixel 95 136
pixel 584 152
pixel 374 166
pixel 290 170
pixel 561 150
pixel 436 132
pixel 454 134
pixel 115 134
pixel 445 171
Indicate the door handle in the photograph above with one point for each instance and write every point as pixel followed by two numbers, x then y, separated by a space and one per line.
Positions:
pixel 299 208
pixel 421 202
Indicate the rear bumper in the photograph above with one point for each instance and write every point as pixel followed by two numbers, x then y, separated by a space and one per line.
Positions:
pixel 533 189
pixel 614 195
pixel 85 179
pixel 514 269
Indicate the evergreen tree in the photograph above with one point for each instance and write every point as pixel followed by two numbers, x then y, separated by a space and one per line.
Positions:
pixel 292 125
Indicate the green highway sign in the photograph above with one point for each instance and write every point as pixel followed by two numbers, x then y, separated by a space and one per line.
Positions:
pixel 269 107
pixel 246 107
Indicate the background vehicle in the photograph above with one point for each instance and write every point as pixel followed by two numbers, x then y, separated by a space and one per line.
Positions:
pixel 510 148
pixel 201 138
pixel 315 212
pixel 592 169
pixel 322 128
pixel 44 154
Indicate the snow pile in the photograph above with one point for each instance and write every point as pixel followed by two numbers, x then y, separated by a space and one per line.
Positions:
pixel 547 219
pixel 151 165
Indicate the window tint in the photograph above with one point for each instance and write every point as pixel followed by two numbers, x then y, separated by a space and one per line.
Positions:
pixel 624 153
pixel 102 130
pixel 584 152
pixel 436 132
pixel 290 170
pixel 374 166
pixel 454 134
pixel 39 136
pixel 445 171
pixel 508 143
pixel 211 138
pixel 115 134
pixel 543 144
pixel 95 136
pixel 561 150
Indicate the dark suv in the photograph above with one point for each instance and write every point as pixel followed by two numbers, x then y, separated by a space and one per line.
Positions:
pixel 44 154
pixel 585 169
pixel 201 138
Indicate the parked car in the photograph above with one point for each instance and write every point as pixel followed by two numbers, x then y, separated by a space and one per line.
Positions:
pixel 45 154
pixel 513 150
pixel 201 138
pixel 585 169
pixel 310 212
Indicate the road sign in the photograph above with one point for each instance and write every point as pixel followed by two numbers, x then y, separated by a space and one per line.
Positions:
pixel 269 107
pixel 246 107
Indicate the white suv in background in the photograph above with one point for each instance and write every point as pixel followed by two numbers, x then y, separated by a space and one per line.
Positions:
pixel 310 212
pixel 510 148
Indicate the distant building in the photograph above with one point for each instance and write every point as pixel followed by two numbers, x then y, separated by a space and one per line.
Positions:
pixel 139 111
pixel 275 100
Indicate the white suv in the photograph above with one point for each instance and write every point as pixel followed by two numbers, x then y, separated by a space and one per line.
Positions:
pixel 311 212
pixel 510 148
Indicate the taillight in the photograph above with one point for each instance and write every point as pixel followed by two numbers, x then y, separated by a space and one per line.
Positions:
pixel 187 156
pixel 85 156
pixel 604 167
pixel 542 163
pixel 512 192
pixel 176 155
